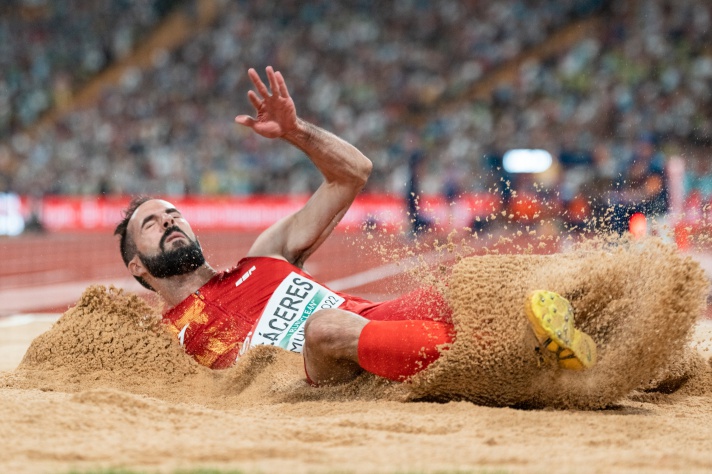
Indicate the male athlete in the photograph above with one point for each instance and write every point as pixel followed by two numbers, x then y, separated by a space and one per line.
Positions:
pixel 268 299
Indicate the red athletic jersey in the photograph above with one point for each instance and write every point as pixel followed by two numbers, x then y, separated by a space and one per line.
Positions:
pixel 265 300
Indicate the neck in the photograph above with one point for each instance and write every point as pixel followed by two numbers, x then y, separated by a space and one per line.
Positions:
pixel 177 288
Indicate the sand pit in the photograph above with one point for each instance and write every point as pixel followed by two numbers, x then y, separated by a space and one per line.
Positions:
pixel 106 387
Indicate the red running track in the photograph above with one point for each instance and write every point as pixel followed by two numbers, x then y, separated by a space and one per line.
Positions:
pixel 48 272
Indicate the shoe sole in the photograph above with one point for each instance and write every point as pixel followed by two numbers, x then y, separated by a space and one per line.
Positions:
pixel 552 319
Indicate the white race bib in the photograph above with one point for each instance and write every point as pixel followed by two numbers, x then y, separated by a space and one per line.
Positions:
pixel 282 321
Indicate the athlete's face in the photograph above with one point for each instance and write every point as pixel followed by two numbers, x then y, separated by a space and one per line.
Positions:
pixel 166 244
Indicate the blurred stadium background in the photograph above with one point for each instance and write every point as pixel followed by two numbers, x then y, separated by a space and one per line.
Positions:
pixel 104 99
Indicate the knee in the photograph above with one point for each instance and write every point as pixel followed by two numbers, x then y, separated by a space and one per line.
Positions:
pixel 333 333
pixel 321 332
pixel 331 346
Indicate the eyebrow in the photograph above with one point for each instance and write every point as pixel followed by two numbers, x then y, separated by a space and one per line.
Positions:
pixel 154 216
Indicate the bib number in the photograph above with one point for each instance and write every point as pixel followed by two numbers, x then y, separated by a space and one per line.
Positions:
pixel 289 307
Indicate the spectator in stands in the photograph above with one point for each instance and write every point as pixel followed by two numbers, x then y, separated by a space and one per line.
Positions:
pixel 413 192
pixel 643 188
pixel 157 110
pixel 598 190
pixel 49 48
pixel 699 178
pixel 646 178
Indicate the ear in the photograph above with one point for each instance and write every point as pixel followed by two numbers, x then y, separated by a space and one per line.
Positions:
pixel 136 267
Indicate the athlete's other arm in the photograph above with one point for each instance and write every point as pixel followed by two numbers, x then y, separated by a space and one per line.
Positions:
pixel 345 170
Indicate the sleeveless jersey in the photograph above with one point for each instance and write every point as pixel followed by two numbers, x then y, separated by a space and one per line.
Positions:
pixel 264 300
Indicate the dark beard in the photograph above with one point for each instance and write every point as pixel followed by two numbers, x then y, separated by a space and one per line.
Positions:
pixel 178 261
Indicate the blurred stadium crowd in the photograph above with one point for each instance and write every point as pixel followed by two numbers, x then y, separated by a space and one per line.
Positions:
pixel 394 78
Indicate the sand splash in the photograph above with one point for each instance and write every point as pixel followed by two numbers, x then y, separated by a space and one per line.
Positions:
pixel 115 340
pixel 638 301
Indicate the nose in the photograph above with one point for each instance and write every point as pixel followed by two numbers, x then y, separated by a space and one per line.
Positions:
pixel 167 220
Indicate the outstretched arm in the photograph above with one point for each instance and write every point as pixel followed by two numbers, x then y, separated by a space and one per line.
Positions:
pixel 345 171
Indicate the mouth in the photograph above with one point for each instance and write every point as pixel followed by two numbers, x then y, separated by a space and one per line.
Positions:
pixel 176 234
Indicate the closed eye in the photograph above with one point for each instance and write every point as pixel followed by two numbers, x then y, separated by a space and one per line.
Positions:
pixel 148 221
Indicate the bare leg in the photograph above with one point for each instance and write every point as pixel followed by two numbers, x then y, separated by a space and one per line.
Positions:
pixel 331 346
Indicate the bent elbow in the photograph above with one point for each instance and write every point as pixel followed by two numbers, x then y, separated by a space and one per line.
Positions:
pixel 364 171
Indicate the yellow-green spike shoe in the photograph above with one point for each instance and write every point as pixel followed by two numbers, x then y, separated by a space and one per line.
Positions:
pixel 552 319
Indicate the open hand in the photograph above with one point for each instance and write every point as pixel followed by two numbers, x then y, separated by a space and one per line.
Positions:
pixel 276 113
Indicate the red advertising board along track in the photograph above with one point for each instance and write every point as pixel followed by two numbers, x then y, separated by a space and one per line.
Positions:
pixel 253 213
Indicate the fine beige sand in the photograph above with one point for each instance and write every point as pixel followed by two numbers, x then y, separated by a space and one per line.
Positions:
pixel 105 386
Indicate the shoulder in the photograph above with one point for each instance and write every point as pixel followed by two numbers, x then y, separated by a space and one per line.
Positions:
pixel 246 266
pixel 262 260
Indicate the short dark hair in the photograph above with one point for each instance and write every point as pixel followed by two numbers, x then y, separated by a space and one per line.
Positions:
pixel 127 246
